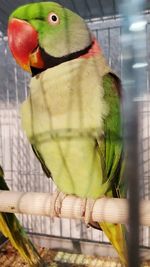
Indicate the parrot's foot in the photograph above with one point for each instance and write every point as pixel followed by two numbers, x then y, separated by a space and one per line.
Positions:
pixel 89 203
pixel 88 209
pixel 56 203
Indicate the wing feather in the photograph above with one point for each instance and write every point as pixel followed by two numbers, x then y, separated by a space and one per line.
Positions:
pixel 43 165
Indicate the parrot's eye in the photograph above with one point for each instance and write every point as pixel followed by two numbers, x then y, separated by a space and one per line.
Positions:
pixel 53 19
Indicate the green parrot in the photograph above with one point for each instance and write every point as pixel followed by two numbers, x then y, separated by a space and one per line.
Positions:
pixel 72 116
pixel 12 229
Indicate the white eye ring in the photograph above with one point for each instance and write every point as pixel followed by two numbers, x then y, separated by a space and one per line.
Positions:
pixel 53 19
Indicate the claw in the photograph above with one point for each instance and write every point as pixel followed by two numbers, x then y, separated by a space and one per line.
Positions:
pixel 88 211
pixel 56 204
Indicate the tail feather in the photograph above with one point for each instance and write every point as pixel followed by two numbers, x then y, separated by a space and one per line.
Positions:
pixel 12 229
pixel 116 235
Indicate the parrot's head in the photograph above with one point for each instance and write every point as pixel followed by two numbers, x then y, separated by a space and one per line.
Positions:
pixel 44 34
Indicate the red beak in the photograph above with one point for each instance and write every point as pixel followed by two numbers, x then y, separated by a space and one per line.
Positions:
pixel 23 43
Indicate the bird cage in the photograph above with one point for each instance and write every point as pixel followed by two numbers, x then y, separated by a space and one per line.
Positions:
pixel 22 169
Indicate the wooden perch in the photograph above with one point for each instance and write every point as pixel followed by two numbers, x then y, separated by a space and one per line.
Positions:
pixel 105 209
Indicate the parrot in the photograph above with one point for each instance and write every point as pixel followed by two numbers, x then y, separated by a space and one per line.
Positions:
pixel 12 229
pixel 72 115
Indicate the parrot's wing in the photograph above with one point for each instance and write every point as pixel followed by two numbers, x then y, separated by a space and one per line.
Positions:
pixel 111 155
pixel 111 145
pixel 43 165
pixel 12 229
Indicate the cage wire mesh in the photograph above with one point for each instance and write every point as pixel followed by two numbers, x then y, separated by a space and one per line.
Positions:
pixel 23 171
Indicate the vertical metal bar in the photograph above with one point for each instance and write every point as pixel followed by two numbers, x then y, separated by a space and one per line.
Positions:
pixel 148 123
pixel 131 172
pixel 101 8
pixel 133 83
pixel 109 57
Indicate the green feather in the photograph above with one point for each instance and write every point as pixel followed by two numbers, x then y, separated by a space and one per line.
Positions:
pixel 113 130
pixel 113 150
pixel 38 11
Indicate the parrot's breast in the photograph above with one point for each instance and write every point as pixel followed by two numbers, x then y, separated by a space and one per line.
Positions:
pixel 62 117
